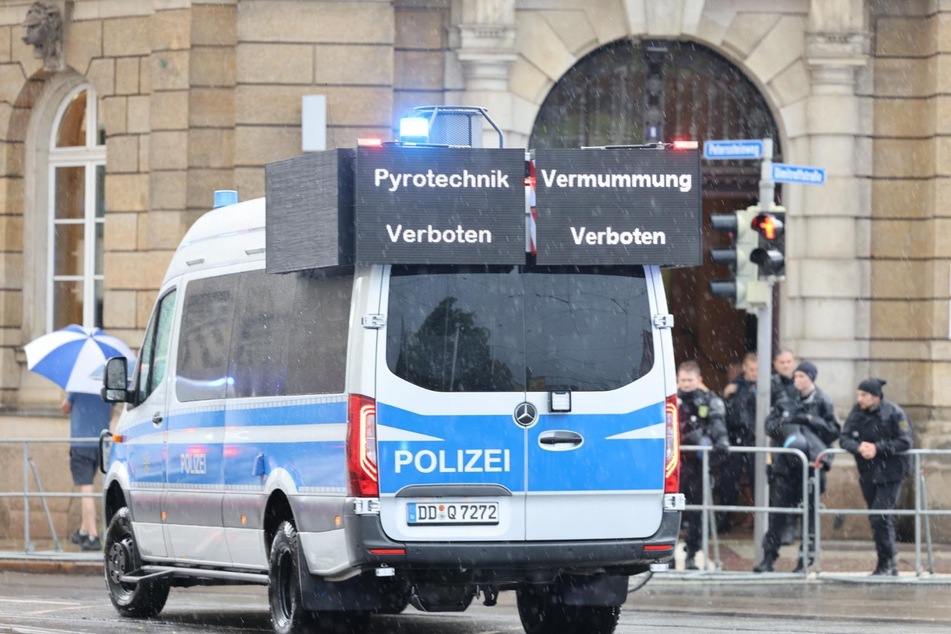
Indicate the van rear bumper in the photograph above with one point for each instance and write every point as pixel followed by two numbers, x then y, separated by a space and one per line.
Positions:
pixel 370 547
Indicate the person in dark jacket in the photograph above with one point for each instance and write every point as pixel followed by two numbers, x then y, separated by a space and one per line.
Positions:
pixel 877 432
pixel 810 425
pixel 782 388
pixel 702 422
pixel 781 384
pixel 740 398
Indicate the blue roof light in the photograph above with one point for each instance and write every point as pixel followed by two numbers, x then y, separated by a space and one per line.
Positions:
pixel 224 197
pixel 414 129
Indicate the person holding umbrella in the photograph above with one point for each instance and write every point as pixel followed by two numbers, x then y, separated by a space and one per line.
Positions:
pixel 73 358
pixel 88 415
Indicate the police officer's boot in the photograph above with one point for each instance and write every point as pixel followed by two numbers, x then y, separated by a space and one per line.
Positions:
pixel 690 563
pixel 767 564
pixel 800 563
pixel 885 568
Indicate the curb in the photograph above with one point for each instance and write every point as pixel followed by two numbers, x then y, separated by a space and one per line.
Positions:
pixel 51 566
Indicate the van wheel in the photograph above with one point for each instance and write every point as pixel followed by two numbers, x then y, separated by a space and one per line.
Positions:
pixel 393 602
pixel 283 591
pixel 542 613
pixel 138 600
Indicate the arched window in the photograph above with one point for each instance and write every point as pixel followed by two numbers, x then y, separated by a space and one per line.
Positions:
pixel 636 92
pixel 77 169
pixel 631 92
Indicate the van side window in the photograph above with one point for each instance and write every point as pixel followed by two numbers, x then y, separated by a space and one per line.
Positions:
pixel 153 361
pixel 205 338
pixel 290 334
pixel 317 349
pixel 261 325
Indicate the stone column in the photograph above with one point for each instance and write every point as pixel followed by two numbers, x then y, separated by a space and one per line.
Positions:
pixel 486 51
pixel 828 288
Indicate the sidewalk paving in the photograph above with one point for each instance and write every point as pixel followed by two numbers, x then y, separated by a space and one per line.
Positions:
pixel 837 558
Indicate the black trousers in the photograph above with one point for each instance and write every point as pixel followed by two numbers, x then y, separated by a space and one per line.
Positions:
pixel 882 496
pixel 785 491
pixel 691 485
pixel 731 479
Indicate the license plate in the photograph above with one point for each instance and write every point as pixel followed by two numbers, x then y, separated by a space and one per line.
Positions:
pixel 484 513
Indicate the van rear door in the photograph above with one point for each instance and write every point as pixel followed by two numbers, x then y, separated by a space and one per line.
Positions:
pixel 531 392
pixel 451 457
pixel 596 457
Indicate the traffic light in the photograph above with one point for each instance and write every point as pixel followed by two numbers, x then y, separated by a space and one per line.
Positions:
pixel 770 253
pixel 739 290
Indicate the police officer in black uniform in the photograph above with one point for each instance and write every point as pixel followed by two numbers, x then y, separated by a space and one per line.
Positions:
pixel 877 432
pixel 781 384
pixel 782 388
pixel 740 398
pixel 810 425
pixel 702 422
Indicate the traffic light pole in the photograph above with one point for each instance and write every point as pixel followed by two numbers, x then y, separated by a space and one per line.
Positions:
pixel 764 354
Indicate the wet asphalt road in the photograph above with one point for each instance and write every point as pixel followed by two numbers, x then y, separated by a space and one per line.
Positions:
pixel 54 604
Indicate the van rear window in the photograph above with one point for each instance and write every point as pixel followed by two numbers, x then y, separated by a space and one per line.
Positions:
pixel 495 329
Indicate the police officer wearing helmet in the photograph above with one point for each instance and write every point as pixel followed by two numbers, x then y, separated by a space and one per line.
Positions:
pixel 810 425
pixel 877 432
pixel 702 422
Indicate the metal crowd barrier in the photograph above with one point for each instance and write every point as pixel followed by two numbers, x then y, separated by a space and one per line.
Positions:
pixel 29 466
pixel 921 512
pixel 708 509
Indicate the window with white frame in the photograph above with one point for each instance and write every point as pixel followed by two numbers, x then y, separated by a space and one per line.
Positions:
pixel 77 164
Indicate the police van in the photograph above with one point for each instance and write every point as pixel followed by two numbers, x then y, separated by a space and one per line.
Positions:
pixel 412 374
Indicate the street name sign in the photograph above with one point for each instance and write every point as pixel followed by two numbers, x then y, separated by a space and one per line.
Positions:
pixel 805 175
pixel 733 149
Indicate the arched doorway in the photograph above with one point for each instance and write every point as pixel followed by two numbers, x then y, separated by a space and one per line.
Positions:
pixel 632 92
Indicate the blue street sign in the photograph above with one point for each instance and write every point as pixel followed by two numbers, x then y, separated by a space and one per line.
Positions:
pixel 783 173
pixel 723 150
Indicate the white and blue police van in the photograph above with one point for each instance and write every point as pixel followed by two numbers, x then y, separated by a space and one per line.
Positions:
pixel 413 373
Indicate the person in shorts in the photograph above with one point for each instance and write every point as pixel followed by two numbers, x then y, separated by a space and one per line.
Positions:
pixel 88 416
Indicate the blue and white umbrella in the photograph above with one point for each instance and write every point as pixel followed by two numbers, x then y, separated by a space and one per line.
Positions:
pixel 73 356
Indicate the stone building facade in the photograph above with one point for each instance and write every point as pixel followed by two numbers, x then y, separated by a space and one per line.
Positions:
pixel 190 96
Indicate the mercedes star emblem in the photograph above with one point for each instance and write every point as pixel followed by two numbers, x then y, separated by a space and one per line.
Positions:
pixel 525 414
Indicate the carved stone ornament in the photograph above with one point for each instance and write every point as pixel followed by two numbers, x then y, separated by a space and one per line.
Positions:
pixel 43 29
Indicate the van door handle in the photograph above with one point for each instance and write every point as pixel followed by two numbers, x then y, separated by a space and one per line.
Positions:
pixel 560 437
pixel 157 418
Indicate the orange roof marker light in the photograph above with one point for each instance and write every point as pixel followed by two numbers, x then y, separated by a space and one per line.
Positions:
pixel 370 142
pixel 686 145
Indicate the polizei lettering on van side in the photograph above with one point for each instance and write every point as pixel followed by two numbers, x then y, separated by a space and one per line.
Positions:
pixel 609 236
pixel 430 234
pixel 458 461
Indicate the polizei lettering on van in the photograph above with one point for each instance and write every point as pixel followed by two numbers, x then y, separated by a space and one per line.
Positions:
pixel 495 179
pixel 194 463
pixel 458 461
pixel 609 236
pixel 430 234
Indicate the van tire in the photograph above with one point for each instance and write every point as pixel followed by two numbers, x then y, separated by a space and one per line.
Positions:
pixel 141 600
pixel 288 614
pixel 541 612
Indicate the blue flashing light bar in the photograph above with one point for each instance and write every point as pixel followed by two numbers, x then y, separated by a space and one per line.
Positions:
pixel 414 129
